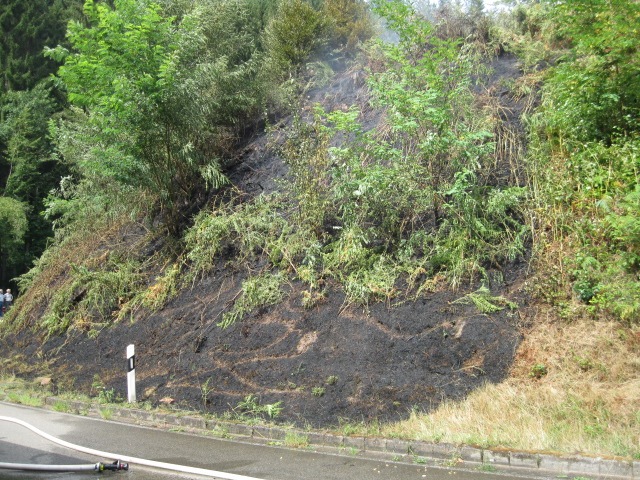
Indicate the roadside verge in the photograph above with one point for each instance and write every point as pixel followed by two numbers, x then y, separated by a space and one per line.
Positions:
pixel 535 464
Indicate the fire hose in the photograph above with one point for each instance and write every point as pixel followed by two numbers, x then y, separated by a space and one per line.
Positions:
pixel 117 465
pixel 90 467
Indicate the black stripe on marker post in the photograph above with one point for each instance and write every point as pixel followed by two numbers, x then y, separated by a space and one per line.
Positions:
pixel 131 374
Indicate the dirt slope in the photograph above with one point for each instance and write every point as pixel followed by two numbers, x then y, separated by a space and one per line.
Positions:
pixel 325 365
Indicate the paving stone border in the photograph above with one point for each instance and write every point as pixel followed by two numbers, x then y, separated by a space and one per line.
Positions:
pixel 389 449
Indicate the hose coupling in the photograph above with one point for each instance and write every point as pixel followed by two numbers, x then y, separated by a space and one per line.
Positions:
pixel 115 466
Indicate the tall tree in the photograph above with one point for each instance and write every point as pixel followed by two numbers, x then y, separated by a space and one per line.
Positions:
pixel 13 219
pixel 148 94
pixel 33 171
pixel 27 27
pixel 27 168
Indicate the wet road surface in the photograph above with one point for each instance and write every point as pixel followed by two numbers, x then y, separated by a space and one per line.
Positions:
pixel 19 445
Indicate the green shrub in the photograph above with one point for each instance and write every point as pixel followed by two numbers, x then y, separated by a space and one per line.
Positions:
pixel 623 225
pixel 483 227
pixel 538 371
pixel 293 34
pixel 155 296
pixel 92 296
pixel 370 197
pixel 251 405
pixel 368 210
pixel 306 153
pixel 257 292
pixel 594 92
pixel 247 230
pixel 350 21
pixel 586 154
pixel 485 302
pixel 587 277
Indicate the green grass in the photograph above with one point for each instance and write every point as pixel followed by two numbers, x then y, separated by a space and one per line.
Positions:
pixel 296 440
pixel 106 413
pixel 218 431
pixel 487 468
pixel 61 406
pixel 26 398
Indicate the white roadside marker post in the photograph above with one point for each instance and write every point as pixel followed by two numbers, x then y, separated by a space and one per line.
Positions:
pixel 131 374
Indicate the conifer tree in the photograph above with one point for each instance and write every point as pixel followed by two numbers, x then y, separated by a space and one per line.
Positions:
pixel 27 27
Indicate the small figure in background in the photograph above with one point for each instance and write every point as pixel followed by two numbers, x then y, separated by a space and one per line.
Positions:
pixel 8 300
pixel 1 303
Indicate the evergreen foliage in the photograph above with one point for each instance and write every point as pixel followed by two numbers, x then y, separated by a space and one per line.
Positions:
pixel 33 170
pixel 27 99
pixel 27 27
pixel 13 218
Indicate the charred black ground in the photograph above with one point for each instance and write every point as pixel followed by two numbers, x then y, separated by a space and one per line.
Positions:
pixel 326 365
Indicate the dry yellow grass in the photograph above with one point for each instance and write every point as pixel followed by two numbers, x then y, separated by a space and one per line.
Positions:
pixel 588 402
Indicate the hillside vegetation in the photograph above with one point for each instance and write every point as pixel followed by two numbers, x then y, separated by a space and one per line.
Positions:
pixel 436 236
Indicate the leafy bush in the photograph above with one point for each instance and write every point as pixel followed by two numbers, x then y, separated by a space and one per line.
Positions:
pixel 612 284
pixel 350 21
pixel 372 209
pixel 587 278
pixel 585 140
pixel 623 225
pixel 160 122
pixel 295 31
pixel 92 296
pixel 483 227
pixel 306 154
pixel 427 89
pixel 249 230
pixel 596 87
pixel 370 198
pixel 155 296
pixel 257 292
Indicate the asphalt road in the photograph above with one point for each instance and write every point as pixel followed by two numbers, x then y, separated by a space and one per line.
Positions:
pixel 19 445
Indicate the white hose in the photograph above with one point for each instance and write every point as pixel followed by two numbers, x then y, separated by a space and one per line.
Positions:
pixel 50 468
pixel 140 461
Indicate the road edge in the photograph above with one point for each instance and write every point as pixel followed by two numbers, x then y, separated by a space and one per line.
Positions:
pixel 378 448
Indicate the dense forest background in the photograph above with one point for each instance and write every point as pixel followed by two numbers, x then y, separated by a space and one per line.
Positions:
pixel 28 99
pixel 134 112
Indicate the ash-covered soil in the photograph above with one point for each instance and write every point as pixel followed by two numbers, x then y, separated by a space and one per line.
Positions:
pixel 328 364
pixel 325 365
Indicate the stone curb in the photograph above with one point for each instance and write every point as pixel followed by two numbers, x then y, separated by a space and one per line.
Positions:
pixel 389 449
